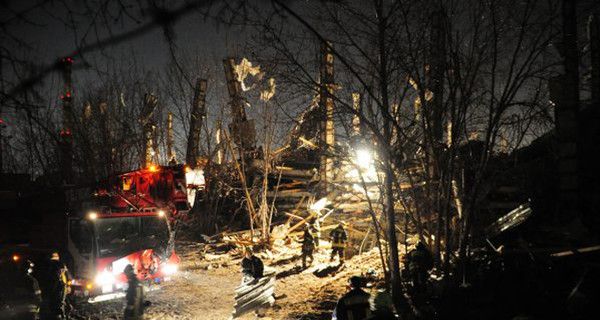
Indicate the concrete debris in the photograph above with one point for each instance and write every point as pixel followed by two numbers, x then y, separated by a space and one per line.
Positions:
pixel 243 70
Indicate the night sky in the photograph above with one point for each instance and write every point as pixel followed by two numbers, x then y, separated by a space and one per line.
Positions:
pixel 461 115
pixel 46 37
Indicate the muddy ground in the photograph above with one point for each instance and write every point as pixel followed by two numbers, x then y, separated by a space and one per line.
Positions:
pixel 204 287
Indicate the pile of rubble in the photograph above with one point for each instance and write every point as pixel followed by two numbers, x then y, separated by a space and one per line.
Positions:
pixel 310 293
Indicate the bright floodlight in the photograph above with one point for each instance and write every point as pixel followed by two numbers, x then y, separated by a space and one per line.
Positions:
pixel 92 215
pixel 105 278
pixel 364 158
pixel 169 269
pixel 161 213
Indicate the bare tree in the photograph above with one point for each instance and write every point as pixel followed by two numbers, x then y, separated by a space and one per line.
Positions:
pixel 96 28
pixel 477 70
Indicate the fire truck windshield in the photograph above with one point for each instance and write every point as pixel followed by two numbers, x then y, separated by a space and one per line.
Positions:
pixel 124 235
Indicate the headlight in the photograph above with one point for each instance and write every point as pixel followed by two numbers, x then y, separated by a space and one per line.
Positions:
pixel 105 278
pixel 169 269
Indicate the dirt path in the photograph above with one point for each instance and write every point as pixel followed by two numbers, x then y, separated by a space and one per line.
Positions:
pixel 191 295
pixel 198 292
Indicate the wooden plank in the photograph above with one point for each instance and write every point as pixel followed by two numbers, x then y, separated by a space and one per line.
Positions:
pixel 297 173
pixel 293 216
pixel 294 193
pixel 289 184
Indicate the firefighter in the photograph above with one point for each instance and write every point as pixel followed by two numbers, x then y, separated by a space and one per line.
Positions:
pixel 308 246
pixel 353 305
pixel 252 266
pixel 20 294
pixel 55 286
pixel 134 297
pixel 419 262
pixel 338 241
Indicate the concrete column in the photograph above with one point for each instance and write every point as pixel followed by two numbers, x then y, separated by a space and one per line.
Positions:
pixel 326 90
pixel 198 113
pixel 171 156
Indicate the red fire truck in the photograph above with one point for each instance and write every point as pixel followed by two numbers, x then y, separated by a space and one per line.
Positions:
pixel 102 244
pixel 131 221
pixel 163 187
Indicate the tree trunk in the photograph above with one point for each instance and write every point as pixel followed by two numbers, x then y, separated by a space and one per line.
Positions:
pixel 397 293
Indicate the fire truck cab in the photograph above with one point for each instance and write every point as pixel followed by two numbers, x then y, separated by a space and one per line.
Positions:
pixel 101 245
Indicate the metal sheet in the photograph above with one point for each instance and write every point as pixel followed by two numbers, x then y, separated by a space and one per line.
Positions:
pixel 255 294
pixel 510 220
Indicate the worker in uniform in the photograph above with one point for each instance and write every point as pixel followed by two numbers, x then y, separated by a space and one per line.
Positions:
pixel 55 287
pixel 338 241
pixel 419 262
pixel 134 297
pixel 252 266
pixel 354 305
pixel 308 246
pixel 20 294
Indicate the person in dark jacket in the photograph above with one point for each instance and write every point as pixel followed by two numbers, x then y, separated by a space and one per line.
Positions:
pixel 20 294
pixel 54 284
pixel 134 296
pixel 252 266
pixel 338 241
pixel 419 262
pixel 308 246
pixel 354 305
pixel 252 269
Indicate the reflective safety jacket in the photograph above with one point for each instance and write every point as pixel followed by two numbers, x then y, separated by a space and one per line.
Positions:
pixel 338 237
pixel 57 281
